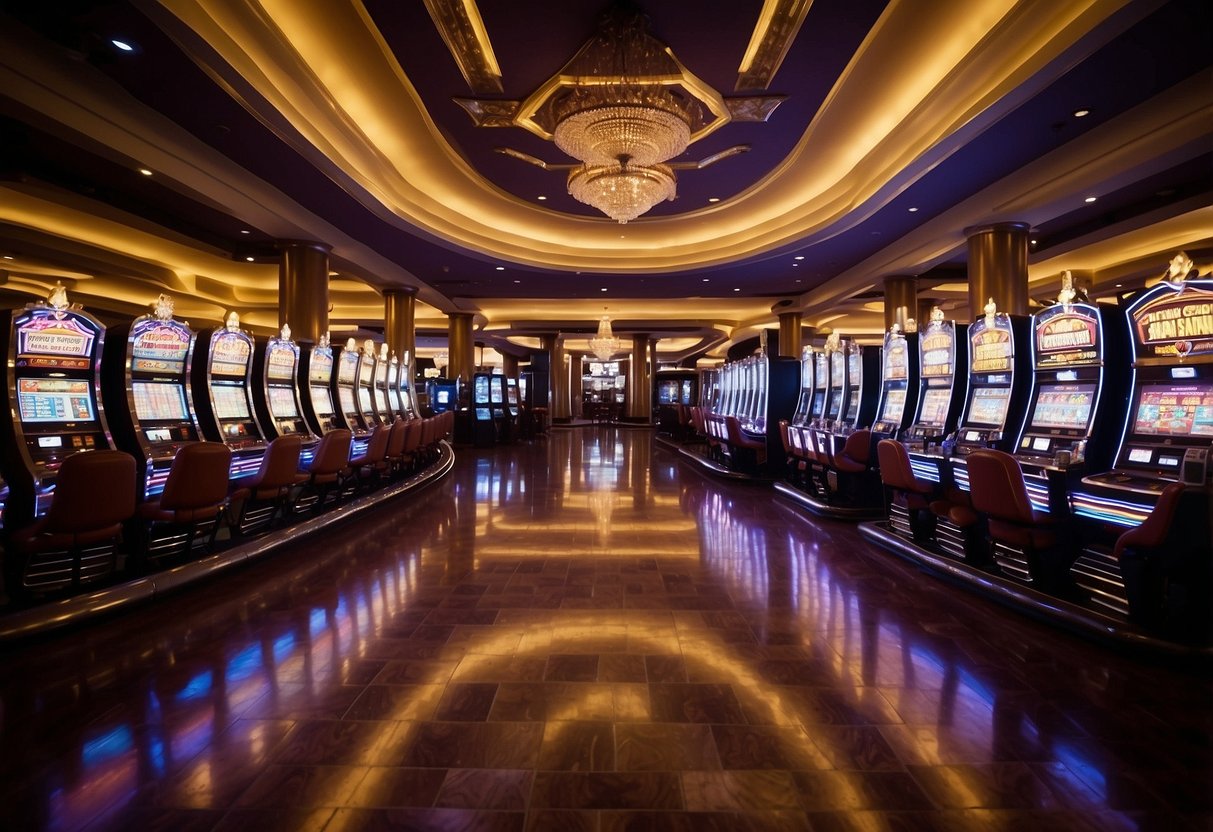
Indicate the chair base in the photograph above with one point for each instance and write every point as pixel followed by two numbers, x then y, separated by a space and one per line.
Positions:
pixel 44 573
pixel 1099 574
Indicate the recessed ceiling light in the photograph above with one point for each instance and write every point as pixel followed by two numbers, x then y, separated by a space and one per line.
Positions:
pixel 541 198
pixel 1033 242
pixel 798 280
pixel 123 45
pixel 913 210
pixel 250 259
pixel 8 257
pixel 706 279
pixel 245 231
pixel 795 265
pixel 736 290
pixel 517 281
pixel 604 288
pixel 798 257
pixel 145 171
pixel 1118 285
pixel 1091 199
pixel 713 199
pixel 334 274
pixel 1081 113
pixel 501 268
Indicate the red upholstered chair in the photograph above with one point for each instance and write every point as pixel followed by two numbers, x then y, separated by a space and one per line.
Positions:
pixel 395 447
pixel 752 451
pixel 856 454
pixel 329 469
pixel 1137 550
pixel 998 492
pixel 259 498
pixel 191 504
pixel 75 542
pixel 910 494
pixel 370 466
pixel 795 464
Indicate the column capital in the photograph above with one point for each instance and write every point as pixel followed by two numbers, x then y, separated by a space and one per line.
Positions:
pixel 1006 227
pixel 400 290
pixel 296 244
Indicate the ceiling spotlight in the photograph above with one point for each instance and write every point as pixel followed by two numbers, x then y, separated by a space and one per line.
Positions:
pixel 1090 199
pixel 1081 113
pixel 795 265
pixel 713 199
pixel 517 281
pixel 736 290
pixel 8 257
pixel 913 210
pixel 1118 285
pixel 122 45
pixel 707 279
pixel 250 259
pixel 245 231
pixel 145 171
pixel 501 268
pixel 334 274
pixel 604 288
pixel 1033 242
pixel 798 257
pixel 541 198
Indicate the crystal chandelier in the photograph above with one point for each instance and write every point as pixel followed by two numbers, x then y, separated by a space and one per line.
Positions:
pixel 621 121
pixel 604 345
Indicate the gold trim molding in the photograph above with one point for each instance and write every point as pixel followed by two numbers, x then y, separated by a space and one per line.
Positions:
pixel 463 32
pixel 778 24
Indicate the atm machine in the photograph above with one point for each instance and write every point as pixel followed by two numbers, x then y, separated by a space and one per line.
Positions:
pixel 54 406
pixel 146 389
pixel 276 391
pixel 317 369
pixel 898 382
pixel 221 363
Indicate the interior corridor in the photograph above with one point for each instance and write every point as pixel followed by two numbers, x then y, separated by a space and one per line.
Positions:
pixel 582 633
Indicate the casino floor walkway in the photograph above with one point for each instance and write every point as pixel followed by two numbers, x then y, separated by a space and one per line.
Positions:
pixel 581 633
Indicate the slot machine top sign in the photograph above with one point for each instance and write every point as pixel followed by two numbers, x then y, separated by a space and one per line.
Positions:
pixel 1175 318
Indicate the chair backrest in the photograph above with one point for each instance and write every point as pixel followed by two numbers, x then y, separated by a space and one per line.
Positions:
pixel 198 477
pixel 93 490
pixel 376 448
pixel 895 470
pixel 996 485
pixel 333 452
pixel 784 436
pixel 1153 531
pixel 859 446
pixel 281 461
pixel 412 435
pixel 395 442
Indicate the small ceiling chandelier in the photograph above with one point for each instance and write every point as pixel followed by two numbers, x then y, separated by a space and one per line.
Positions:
pixel 604 345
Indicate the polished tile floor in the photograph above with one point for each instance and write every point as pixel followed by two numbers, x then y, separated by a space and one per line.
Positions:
pixel 581 633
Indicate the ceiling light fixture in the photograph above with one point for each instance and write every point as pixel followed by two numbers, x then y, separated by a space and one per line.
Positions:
pixel 245 231
pixel 501 268
pixel 145 171
pixel 123 45
pixel 798 257
pixel 250 259
pixel 1090 199
pixel 1081 113
pixel 713 199
pixel 541 198
pixel 912 210
pixel 604 345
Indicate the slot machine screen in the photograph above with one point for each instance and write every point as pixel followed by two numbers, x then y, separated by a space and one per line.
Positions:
pixel 667 392
pixel 230 401
pixel 935 405
pixel 320 368
pixel 818 399
pixel 495 393
pixel 322 402
pixel 347 369
pixel 229 355
pixel 687 389
pixel 511 393
pixel 894 406
pixel 988 405
pixel 280 363
pixel 366 373
pixel 381 400
pixel 853 405
pixel 364 398
pixel 282 403
pixel 1064 406
pixel 159 402
pixel 1180 410
pixel 444 397
pixel 481 389
pixel 346 395
pixel 54 400
pixel 835 402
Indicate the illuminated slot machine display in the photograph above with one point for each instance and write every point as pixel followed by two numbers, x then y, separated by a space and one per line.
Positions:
pixel 999 361
pixel 940 396
pixel 1168 429
pixel 758 380
pixel 383 411
pixel 480 397
pixel 898 382
pixel 365 389
pixel 497 396
pixel 1078 359
pixel 276 391
pixel 393 388
pixel 836 351
pixel 222 366
pixel 146 389
pixel 318 406
pixel 405 389
pixel 511 395
pixel 821 385
pixel 54 400
pixel 442 394
pixel 346 386
pixel 862 391
pixel 799 423
pixel 709 389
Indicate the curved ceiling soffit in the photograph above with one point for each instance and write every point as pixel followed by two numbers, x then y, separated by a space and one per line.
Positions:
pixel 361 113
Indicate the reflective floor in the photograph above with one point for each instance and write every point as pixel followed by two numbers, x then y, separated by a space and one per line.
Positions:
pixel 582 633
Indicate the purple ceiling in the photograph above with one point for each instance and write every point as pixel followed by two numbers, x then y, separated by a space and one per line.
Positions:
pixel 532 41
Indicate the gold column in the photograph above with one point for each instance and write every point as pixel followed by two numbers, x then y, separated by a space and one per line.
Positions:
pixel 900 300
pixel 560 407
pixel 789 334
pixel 998 267
pixel 303 289
pixel 509 364
pixel 648 387
pixel 399 321
pixel 460 349
pixel 925 305
pixel 638 380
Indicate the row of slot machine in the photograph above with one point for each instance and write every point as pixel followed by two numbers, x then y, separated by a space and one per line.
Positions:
pixel 149 386
pixel 1102 406
pixel 759 390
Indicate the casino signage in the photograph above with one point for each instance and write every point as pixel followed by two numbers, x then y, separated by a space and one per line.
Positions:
pixel 1175 323
pixel 55 339
pixel 992 347
pixel 1067 336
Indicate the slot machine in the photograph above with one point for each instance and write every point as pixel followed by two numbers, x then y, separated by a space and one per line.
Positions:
pixel 147 393
pixel 497 395
pixel 365 389
pixel 317 369
pixel 940 398
pixel 798 427
pixel 1079 371
pixel 861 388
pixel 511 396
pixel 999 369
pixel 393 388
pixel 348 389
pixel 408 395
pixel 383 411
pixel 442 394
pixel 221 362
pixel 1167 434
pixel 484 431
pixel 898 382
pixel 821 385
pixel 54 406
pixel 276 391
pixel 836 384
